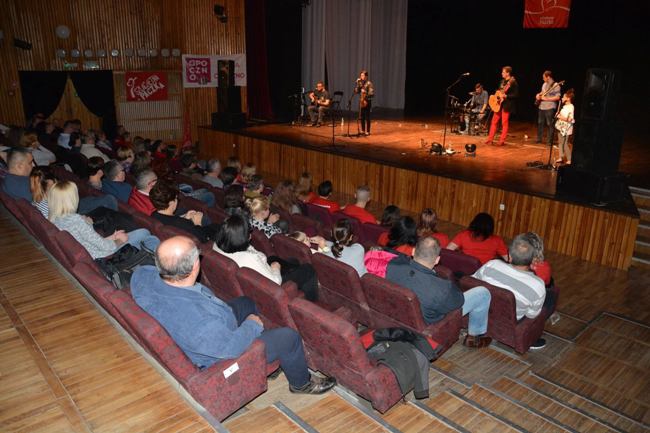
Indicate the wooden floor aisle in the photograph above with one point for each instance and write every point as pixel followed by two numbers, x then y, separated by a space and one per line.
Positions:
pixel 63 365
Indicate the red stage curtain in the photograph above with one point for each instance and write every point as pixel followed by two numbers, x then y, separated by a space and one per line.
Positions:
pixel 259 96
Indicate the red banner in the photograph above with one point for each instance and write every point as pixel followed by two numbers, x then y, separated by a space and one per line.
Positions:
pixel 146 86
pixel 547 14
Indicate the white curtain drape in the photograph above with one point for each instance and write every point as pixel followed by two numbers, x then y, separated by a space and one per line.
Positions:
pixel 351 35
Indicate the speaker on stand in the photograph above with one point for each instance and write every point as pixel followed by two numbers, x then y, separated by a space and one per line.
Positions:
pixel 229 114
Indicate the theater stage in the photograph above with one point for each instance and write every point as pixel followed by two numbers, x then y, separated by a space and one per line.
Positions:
pixel 401 171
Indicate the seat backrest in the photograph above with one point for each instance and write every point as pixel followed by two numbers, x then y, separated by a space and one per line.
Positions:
pixel 355 224
pixel 340 279
pixel 11 204
pixel 286 248
pixel 459 262
pixel 371 232
pixel 261 243
pixel 191 203
pixel 398 303
pixel 153 336
pixel 96 284
pixel 332 338
pixel 27 215
pixel 502 303
pixel 147 222
pixel 217 215
pixel 271 299
pixel 219 273
pixel 46 233
pixel 73 251
pixel 305 224
pixel 320 214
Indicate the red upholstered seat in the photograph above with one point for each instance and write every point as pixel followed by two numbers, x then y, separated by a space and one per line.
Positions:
pixel 371 232
pixel 459 263
pixel 321 215
pixel 393 305
pixel 191 203
pixel 27 215
pixel 221 396
pixel 271 300
pixel 217 215
pixel 285 248
pixel 334 347
pixel 306 225
pixel 11 204
pixel 502 320
pixel 340 286
pixel 98 286
pixel 261 243
pixel 219 273
pixel 355 224
pixel 73 251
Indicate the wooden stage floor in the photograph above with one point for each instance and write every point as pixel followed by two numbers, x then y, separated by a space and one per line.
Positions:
pixel 398 142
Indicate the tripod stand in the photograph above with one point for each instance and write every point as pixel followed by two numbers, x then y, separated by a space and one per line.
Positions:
pixel 446 115
pixel 349 112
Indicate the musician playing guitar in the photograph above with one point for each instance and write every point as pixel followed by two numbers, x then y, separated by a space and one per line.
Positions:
pixel 320 103
pixel 503 105
pixel 366 91
pixel 564 125
pixel 546 101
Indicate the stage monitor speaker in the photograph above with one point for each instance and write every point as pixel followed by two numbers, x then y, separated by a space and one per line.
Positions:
pixel 229 99
pixel 575 183
pixel 600 95
pixel 228 121
pixel 597 146
pixel 226 73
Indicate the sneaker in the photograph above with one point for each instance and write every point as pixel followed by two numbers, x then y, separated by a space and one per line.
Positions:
pixel 477 341
pixel 367 134
pixel 315 386
pixel 539 344
pixel 318 125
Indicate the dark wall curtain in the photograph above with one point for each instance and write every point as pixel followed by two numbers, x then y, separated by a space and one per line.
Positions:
pixel 259 97
pixel 95 89
pixel 42 91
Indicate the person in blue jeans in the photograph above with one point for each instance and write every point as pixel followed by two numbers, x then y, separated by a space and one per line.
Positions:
pixel 439 296
pixel 208 329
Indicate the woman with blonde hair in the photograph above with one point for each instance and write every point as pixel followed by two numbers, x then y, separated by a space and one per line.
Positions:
pixel 63 200
pixel 42 155
pixel 125 156
pixel 247 173
pixel 261 217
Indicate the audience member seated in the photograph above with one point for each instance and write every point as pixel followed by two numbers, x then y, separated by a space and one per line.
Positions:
pixel 389 217
pixel 439 296
pixel 427 227
pixel 324 193
pixel 246 173
pixel 102 143
pixel 479 241
pixel 63 200
pixel 235 163
pixel 254 187
pixel 233 201
pixel 517 277
pixel 212 174
pixel 139 198
pixel 228 176
pixel 284 198
pixel 158 150
pixel 540 266
pixel 125 157
pixel 319 241
pixel 42 155
pixel 19 164
pixel 233 241
pixel 208 329
pixel 141 163
pixel 304 188
pixel 261 218
pixel 89 150
pixel 64 137
pixel 358 210
pixel 40 182
pixel 113 182
pixel 95 172
pixel 403 236
pixel 344 249
pixel 164 197
pixel 190 166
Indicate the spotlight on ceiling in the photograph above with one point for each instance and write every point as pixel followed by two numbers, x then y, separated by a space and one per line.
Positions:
pixel 470 149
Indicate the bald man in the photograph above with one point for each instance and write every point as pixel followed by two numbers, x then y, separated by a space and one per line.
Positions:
pixel 358 209
pixel 208 329
pixel 16 182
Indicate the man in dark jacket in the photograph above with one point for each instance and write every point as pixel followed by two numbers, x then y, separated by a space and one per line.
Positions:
pixel 438 296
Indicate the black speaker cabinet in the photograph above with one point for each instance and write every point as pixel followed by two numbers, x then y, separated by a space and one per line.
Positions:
pixel 597 146
pixel 229 99
pixel 576 183
pixel 600 95
pixel 226 73
pixel 228 121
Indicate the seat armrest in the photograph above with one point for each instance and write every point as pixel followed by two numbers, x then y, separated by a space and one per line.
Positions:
pixel 291 289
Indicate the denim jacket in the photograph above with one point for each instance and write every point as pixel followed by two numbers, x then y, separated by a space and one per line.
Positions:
pixel 202 325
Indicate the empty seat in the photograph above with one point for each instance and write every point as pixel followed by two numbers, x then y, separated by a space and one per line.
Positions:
pixel 334 347
pixel 393 305
pixel 305 224
pixel 286 247
pixel 220 395
pixel 340 286
pixel 321 215
pixel 271 299
pixel 371 232
pixel 261 243
pixel 219 273
pixel 459 263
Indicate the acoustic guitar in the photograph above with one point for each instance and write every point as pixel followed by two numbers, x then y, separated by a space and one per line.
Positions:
pixel 539 96
pixel 495 100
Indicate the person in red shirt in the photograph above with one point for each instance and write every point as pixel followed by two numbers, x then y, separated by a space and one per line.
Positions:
pixel 139 199
pixel 403 236
pixel 479 241
pixel 358 210
pixel 427 227
pixel 390 216
pixel 324 193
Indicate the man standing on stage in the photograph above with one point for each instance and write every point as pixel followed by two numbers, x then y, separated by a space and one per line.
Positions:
pixel 320 103
pixel 547 99
pixel 366 90
pixel 509 93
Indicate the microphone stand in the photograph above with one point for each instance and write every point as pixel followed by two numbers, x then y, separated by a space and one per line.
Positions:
pixel 447 95
pixel 349 109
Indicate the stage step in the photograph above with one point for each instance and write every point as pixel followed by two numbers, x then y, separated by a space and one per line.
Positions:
pixel 644 214
pixel 334 414
pixel 408 417
pixel 643 229
pixel 269 419
pixel 582 404
pixel 467 416
pixel 552 410
pixel 641 260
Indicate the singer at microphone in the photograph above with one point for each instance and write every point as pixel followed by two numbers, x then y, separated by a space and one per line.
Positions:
pixel 366 92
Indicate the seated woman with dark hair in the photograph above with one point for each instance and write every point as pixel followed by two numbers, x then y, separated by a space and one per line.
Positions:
pixel 403 236
pixel 228 176
pixel 95 172
pixel 345 249
pixel 233 201
pixel 390 216
pixel 164 197
pixel 284 198
pixel 427 227
pixel 233 241
pixel 480 241
pixel 40 181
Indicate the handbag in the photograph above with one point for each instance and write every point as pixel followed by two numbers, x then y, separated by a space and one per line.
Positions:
pixel 119 267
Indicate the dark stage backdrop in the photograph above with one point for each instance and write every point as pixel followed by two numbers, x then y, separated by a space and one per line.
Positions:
pixel 448 38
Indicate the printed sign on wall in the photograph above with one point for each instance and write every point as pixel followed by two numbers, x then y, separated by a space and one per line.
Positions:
pixel 203 71
pixel 146 86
